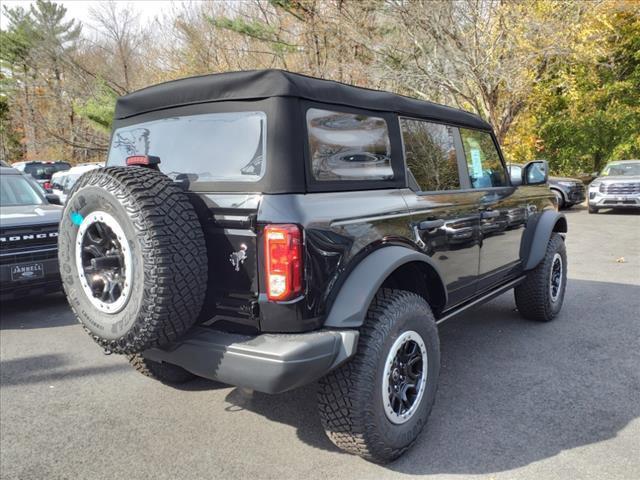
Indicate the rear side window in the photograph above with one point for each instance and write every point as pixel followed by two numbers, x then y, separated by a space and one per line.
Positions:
pixel 483 161
pixel 210 147
pixel 431 154
pixel 348 146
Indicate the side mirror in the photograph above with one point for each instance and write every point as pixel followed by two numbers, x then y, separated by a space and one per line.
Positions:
pixel 53 199
pixel 535 173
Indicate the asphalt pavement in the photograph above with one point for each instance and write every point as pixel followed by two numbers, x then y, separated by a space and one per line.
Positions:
pixel 517 399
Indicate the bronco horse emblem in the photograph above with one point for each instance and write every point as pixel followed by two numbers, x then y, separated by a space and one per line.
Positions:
pixel 238 258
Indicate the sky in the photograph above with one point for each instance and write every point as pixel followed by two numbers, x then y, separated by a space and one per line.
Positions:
pixel 79 9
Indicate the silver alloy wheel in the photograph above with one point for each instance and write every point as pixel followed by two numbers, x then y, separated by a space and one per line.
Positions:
pixel 103 260
pixel 555 277
pixel 404 377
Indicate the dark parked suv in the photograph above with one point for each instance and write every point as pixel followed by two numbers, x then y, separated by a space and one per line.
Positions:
pixel 568 191
pixel 42 171
pixel 267 229
pixel 28 237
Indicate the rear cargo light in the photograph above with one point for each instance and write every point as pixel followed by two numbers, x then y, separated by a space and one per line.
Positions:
pixel 283 258
pixel 144 160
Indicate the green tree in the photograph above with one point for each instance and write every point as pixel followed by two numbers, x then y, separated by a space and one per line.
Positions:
pixel 99 108
pixel 588 112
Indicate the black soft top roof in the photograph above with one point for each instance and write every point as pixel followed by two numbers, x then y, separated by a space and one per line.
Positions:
pixel 256 84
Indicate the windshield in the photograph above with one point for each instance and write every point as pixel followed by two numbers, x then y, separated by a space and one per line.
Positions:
pixel 211 147
pixel 44 171
pixel 621 169
pixel 16 190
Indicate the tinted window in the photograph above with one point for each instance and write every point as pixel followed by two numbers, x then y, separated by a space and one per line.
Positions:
pixel 16 190
pixel 347 146
pixel 485 168
pixel 430 154
pixel 212 147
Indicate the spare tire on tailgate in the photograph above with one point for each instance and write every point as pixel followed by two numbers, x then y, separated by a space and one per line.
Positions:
pixel 132 257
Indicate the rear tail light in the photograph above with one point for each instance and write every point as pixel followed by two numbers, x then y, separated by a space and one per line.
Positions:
pixel 143 160
pixel 47 185
pixel 283 258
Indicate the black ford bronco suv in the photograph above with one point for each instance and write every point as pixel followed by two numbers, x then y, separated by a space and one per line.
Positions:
pixel 267 230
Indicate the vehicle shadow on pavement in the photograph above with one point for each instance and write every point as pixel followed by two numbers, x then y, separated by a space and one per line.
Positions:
pixel 512 392
pixel 50 368
pixel 296 408
pixel 29 312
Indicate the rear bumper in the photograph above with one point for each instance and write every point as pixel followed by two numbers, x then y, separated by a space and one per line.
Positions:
pixel 270 363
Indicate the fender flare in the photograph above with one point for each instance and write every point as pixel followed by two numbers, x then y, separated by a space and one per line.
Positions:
pixel 356 294
pixel 537 234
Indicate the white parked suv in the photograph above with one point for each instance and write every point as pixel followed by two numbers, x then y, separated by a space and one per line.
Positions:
pixel 63 182
pixel 618 186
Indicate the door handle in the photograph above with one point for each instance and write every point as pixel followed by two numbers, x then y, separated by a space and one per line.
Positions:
pixel 431 224
pixel 486 214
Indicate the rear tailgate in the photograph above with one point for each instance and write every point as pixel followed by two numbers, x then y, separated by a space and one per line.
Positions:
pixel 228 221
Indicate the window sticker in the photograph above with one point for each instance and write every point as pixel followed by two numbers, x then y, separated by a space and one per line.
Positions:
pixel 476 163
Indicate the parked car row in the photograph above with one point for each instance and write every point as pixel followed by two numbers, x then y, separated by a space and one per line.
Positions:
pixel 62 182
pixel 28 227
pixel 30 197
pixel 617 186
pixel 42 171
pixel 568 191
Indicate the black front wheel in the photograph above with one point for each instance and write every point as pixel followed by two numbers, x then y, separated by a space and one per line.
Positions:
pixel 541 295
pixel 376 405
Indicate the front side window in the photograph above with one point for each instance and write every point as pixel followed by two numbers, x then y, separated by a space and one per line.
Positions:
pixel 348 146
pixel 431 154
pixel 211 147
pixel 16 190
pixel 483 161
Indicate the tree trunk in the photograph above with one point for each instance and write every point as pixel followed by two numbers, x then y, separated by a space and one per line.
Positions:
pixel 28 120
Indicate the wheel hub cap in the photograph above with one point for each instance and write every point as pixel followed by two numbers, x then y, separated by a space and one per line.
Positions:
pixel 404 377
pixel 555 281
pixel 103 260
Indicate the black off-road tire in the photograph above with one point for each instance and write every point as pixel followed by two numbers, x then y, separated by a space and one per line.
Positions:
pixel 163 372
pixel 533 296
pixel 350 398
pixel 593 209
pixel 168 252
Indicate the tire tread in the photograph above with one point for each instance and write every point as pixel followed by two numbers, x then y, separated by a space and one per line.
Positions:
pixel 173 251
